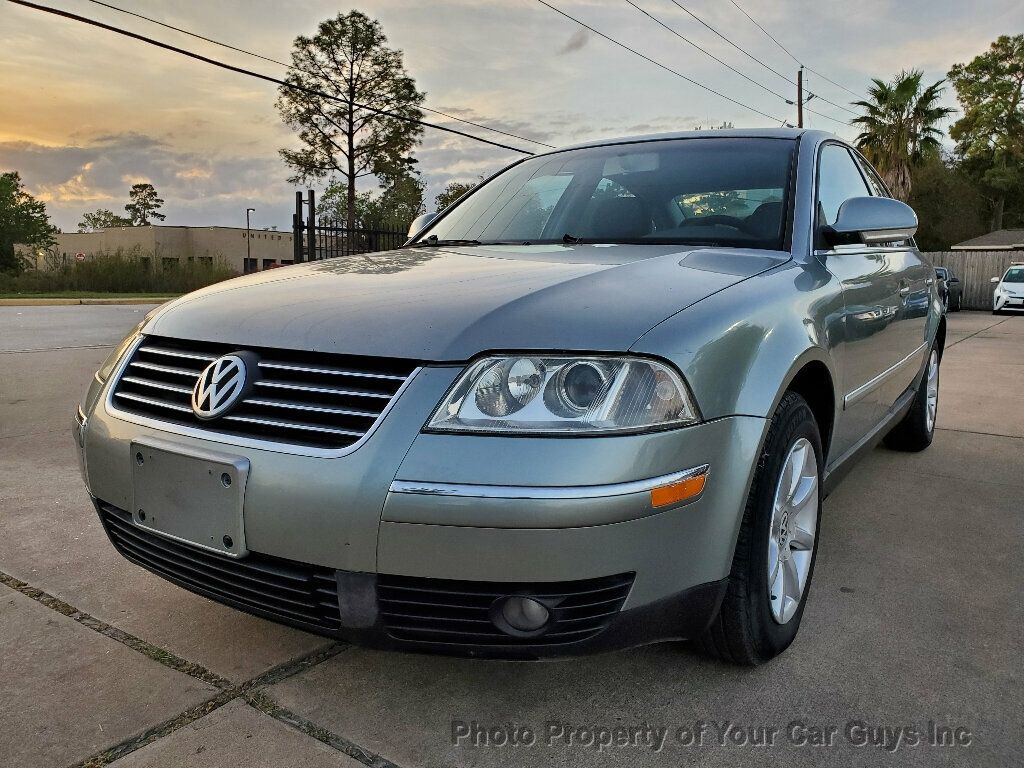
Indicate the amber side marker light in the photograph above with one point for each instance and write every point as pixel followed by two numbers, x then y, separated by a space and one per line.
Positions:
pixel 676 492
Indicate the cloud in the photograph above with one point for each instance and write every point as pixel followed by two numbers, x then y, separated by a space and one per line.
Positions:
pixel 198 190
pixel 76 189
pixel 194 173
pixel 578 39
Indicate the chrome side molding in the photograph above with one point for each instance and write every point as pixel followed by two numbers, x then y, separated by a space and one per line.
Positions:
pixel 423 488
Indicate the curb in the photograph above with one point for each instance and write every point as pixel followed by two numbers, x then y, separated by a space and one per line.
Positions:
pixel 75 302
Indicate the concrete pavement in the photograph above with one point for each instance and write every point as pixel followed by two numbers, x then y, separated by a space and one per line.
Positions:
pixel 914 618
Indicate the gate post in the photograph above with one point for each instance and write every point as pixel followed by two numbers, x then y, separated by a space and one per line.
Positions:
pixel 311 226
pixel 297 229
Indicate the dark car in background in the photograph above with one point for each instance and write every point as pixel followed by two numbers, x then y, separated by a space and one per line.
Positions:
pixel 951 289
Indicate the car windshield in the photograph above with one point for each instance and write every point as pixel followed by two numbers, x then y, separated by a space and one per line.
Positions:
pixel 1014 275
pixel 706 191
pixel 940 272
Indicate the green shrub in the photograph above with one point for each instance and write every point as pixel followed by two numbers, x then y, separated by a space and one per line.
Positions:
pixel 120 271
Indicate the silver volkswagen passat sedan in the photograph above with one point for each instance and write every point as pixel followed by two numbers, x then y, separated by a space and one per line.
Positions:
pixel 594 404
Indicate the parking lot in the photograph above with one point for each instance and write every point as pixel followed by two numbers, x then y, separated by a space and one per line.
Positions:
pixel 912 634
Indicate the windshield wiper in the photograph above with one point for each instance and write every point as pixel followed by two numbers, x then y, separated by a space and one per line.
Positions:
pixel 433 241
pixel 570 239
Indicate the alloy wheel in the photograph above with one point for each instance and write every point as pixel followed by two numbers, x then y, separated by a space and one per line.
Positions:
pixel 791 538
pixel 932 390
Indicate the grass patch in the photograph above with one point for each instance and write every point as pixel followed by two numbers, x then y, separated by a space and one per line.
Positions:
pixel 124 273
pixel 86 295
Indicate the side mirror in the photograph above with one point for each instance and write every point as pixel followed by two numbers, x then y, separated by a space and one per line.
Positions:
pixel 420 223
pixel 994 280
pixel 871 221
pixel 954 279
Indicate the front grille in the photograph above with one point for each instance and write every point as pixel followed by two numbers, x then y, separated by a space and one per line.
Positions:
pixel 458 612
pixel 303 398
pixel 286 590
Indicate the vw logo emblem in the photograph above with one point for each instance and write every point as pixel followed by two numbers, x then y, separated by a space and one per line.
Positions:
pixel 220 386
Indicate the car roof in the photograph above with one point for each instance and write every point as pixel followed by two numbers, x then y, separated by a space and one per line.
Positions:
pixel 720 133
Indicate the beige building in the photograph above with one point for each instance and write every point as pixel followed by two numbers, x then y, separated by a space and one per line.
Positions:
pixel 239 249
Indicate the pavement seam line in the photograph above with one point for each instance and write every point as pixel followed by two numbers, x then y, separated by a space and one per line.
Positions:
pixel 274 675
pixel 55 349
pixel 974 432
pixel 980 330
pixel 263 702
pixel 157 654
pixel 228 690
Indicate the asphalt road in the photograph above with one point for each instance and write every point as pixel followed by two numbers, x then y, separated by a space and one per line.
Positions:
pixel 912 633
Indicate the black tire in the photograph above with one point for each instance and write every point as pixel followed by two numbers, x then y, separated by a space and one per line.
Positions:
pixel 914 432
pixel 744 631
pixel 958 303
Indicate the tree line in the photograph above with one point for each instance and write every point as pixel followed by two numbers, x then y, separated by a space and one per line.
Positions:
pixel 360 146
pixel 979 185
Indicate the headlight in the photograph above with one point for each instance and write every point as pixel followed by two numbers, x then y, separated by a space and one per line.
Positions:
pixel 565 394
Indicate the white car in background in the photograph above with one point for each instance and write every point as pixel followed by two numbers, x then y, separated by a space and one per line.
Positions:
pixel 1009 293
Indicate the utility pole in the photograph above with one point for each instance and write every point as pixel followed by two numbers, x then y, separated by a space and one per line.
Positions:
pixel 248 238
pixel 800 98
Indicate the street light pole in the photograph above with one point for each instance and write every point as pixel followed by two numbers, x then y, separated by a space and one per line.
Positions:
pixel 248 238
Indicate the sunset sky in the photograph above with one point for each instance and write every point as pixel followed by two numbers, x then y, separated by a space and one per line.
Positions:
pixel 85 113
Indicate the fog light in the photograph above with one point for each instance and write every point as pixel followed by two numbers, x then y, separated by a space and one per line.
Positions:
pixel 524 614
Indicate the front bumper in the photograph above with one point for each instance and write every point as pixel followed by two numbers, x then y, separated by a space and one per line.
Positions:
pixel 348 524
pixel 362 608
pixel 1002 302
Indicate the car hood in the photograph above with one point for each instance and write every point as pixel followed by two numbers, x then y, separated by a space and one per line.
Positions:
pixel 449 304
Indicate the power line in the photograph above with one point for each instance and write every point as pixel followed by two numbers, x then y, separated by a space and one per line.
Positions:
pixel 648 59
pixel 752 57
pixel 230 47
pixel 788 52
pixel 662 24
pixel 776 94
pixel 742 50
pixel 837 85
pixel 259 76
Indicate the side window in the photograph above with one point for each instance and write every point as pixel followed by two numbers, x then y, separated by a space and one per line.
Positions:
pixel 877 187
pixel 839 179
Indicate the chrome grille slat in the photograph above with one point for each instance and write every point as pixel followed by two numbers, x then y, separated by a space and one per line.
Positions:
pixel 165 369
pixel 328 371
pixel 304 407
pixel 157 385
pixel 321 390
pixel 177 353
pixel 152 401
pixel 291 425
pixel 302 399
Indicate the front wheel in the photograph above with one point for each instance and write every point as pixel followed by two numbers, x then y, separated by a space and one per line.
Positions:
pixel 917 428
pixel 775 552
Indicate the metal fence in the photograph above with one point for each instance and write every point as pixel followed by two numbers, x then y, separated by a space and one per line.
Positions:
pixel 327 239
pixel 976 270
pixel 322 238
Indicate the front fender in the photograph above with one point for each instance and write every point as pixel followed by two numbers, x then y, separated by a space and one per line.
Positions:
pixel 741 348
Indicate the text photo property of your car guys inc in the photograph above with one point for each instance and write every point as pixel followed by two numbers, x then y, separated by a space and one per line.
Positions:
pixel 710 734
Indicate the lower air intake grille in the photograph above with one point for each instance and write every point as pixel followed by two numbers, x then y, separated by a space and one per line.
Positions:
pixel 302 398
pixel 289 591
pixel 458 612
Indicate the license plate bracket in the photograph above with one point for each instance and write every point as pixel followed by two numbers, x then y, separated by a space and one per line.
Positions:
pixel 192 495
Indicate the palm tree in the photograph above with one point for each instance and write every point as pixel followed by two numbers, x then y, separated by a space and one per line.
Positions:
pixel 898 127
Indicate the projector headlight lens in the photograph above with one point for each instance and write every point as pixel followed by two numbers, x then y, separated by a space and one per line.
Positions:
pixel 580 395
